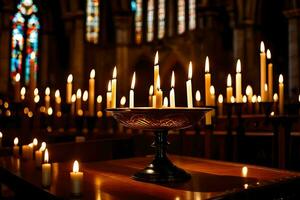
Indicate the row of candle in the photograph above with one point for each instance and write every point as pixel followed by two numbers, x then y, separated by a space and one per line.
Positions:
pixel 27 153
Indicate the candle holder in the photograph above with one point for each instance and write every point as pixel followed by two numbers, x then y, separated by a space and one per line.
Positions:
pixel 160 121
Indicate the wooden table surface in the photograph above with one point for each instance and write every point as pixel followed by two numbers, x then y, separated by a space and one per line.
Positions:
pixel 110 180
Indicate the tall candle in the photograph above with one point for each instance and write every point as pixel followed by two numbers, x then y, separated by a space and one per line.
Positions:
pixel 262 70
pixel 198 98
pixel 114 89
pixel 73 100
pixel 270 75
pixel 39 155
pixel 46 170
pixel 238 82
pixel 69 88
pixel 229 89
pixel 57 102
pixel 17 87
pixel 76 179
pixel 281 95
pixel 189 92
pixel 156 71
pixel 207 82
pixel 78 101
pixel 16 148
pixel 172 91
pixel 220 104
pixel 92 93
pixel 108 95
pixel 131 93
pixel 47 98
pixel 159 94
pixel 150 96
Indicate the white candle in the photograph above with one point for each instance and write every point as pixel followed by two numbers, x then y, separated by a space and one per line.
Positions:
pixel 262 70
pixel 108 95
pixel 159 95
pixel 220 104
pixel 189 92
pixel 172 91
pixel 69 88
pixel 114 89
pixel 39 155
pixel 16 148
pixel 166 102
pixel 238 82
pixel 270 76
pixel 281 95
pixel 46 170
pixel 207 82
pixel 156 71
pixel 47 98
pixel 131 93
pixel 151 96
pixel 76 179
pixel 92 93
pixel 229 89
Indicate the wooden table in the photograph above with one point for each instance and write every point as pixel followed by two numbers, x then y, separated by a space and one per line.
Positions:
pixel 110 180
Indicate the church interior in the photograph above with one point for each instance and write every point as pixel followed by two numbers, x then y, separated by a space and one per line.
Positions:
pixel 149 99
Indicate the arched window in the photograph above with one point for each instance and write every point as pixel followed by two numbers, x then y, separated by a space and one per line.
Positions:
pixel 137 7
pixel 181 17
pixel 192 14
pixel 161 18
pixel 92 21
pixel 150 20
pixel 24 44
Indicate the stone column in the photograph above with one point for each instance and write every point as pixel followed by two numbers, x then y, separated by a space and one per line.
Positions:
pixel 293 17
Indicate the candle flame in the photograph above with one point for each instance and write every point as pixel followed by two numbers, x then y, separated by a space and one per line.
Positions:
pixel 18 77
pixel 133 81
pixel 23 91
pixel 70 78
pixel 30 145
pixel 206 65
pixel 212 90
pixel 245 171
pixel 232 99
pixel 76 166
pixel 244 99
pixel 254 99
pixel 115 72
pixel 47 91
pixel 229 81
pixel 275 97
pixel 16 141
pixel 173 80
pixel 92 74
pixel 123 101
pixel 166 102
pixel 46 156
pixel 50 111
pixel 57 94
pixel 280 80
pixel 158 83
pixel 35 142
pixel 190 70
pixel 258 99
pixel 268 54
pixel 156 58
pixel 43 146
pixel 109 86
pixel 299 98
pixel 36 91
pixel 238 66
pixel 32 55
pixel 266 87
pixel 220 98
pixel 198 95
pixel 249 90
pixel 1 134
pixel 78 94
pixel 73 98
pixel 151 90
pixel 36 98
pixel 99 99
pixel 262 47
pixel 272 113
pixel 85 95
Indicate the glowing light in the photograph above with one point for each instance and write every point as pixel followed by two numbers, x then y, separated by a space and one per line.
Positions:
pixel 70 78
pixel 92 74
pixel 133 81
pixel 262 47
pixel 206 65
pixel 75 166
pixel 99 99
pixel 46 156
pixel 220 98
pixel 268 54
pixel 123 101
pixel 198 95
pixel 229 81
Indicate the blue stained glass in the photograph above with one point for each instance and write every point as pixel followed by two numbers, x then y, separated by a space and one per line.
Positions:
pixel 133 6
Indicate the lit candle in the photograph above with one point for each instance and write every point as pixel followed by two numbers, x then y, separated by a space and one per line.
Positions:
pixel 172 91
pixel 207 82
pixel 244 171
pixel 35 143
pixel 39 155
pixel 108 95
pixel 46 170
pixel 131 93
pixel 232 99
pixel 17 87
pixel 166 102
pixel 150 96
pixel 85 97
pixel 275 104
pixel 198 98
pixel 16 148
pixel 281 95
pixel 270 75
pixel 212 95
pixel 249 93
pixel 69 88
pixel 36 92
pixel 254 101
pixel 238 82
pixel 262 70
pixel 1 136
pixel 78 101
pixel 76 179
pixel 220 104
pixel 73 100
pixel 99 105
pixel 266 92
pixel 57 102
pixel 23 93
pixel 114 88
pixel 47 98
pixel 156 71
pixel 27 151
pixel 123 102
pixel 229 89
pixel 244 99
pixel 159 95
pixel 92 93
pixel 189 92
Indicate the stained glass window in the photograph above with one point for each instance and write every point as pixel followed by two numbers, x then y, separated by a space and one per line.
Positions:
pixel 138 19
pixel 161 18
pixel 24 44
pixel 181 16
pixel 192 14
pixel 150 20
pixel 92 21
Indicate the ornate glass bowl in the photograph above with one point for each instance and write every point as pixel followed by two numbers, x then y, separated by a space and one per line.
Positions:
pixel 160 120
